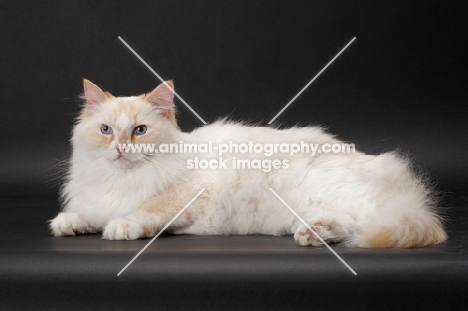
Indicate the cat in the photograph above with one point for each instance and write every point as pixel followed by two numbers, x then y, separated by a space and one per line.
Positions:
pixel 349 197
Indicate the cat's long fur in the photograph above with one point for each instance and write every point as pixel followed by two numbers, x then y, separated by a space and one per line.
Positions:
pixel 358 199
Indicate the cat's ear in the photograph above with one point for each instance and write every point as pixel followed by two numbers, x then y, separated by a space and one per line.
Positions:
pixel 93 94
pixel 162 97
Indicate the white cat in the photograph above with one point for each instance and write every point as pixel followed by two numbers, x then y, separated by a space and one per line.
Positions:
pixel 360 200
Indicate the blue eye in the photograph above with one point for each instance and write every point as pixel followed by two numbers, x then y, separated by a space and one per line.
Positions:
pixel 140 130
pixel 106 129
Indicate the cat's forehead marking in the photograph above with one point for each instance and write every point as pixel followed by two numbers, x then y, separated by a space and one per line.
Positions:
pixel 127 111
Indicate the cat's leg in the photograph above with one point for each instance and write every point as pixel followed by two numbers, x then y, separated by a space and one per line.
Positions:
pixel 331 227
pixel 70 223
pixel 141 224
pixel 155 213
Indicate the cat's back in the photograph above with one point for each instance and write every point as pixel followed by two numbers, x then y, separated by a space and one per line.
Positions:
pixel 225 131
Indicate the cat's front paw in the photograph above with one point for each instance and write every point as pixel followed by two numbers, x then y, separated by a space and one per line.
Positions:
pixel 68 223
pixel 123 229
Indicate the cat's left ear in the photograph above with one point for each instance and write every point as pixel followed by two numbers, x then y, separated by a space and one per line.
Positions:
pixel 162 97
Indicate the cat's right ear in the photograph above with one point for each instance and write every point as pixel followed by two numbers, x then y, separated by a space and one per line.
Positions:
pixel 93 95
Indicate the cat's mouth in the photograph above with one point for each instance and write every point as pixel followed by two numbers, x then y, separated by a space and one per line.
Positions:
pixel 122 161
pixel 121 158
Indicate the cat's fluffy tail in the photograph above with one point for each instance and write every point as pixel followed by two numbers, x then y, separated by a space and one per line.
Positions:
pixel 406 214
pixel 405 231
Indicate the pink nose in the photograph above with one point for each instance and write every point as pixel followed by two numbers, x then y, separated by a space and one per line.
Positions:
pixel 120 150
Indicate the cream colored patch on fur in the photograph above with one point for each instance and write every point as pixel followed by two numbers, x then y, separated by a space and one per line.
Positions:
pixel 386 237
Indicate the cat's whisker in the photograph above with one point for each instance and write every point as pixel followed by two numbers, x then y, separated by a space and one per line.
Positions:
pixel 61 168
pixel 58 164
pixel 60 177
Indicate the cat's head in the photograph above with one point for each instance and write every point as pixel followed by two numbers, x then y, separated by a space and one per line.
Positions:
pixel 108 123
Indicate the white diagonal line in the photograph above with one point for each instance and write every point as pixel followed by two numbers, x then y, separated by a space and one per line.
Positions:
pixel 162 80
pixel 161 231
pixel 313 79
pixel 308 227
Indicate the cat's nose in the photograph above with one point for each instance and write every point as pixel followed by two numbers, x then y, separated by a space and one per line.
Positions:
pixel 120 149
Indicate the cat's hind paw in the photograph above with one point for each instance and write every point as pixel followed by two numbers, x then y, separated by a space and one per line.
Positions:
pixel 330 227
pixel 67 223
pixel 327 233
pixel 305 237
pixel 123 229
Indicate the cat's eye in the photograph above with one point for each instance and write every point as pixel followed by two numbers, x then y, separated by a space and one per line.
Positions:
pixel 106 129
pixel 140 130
